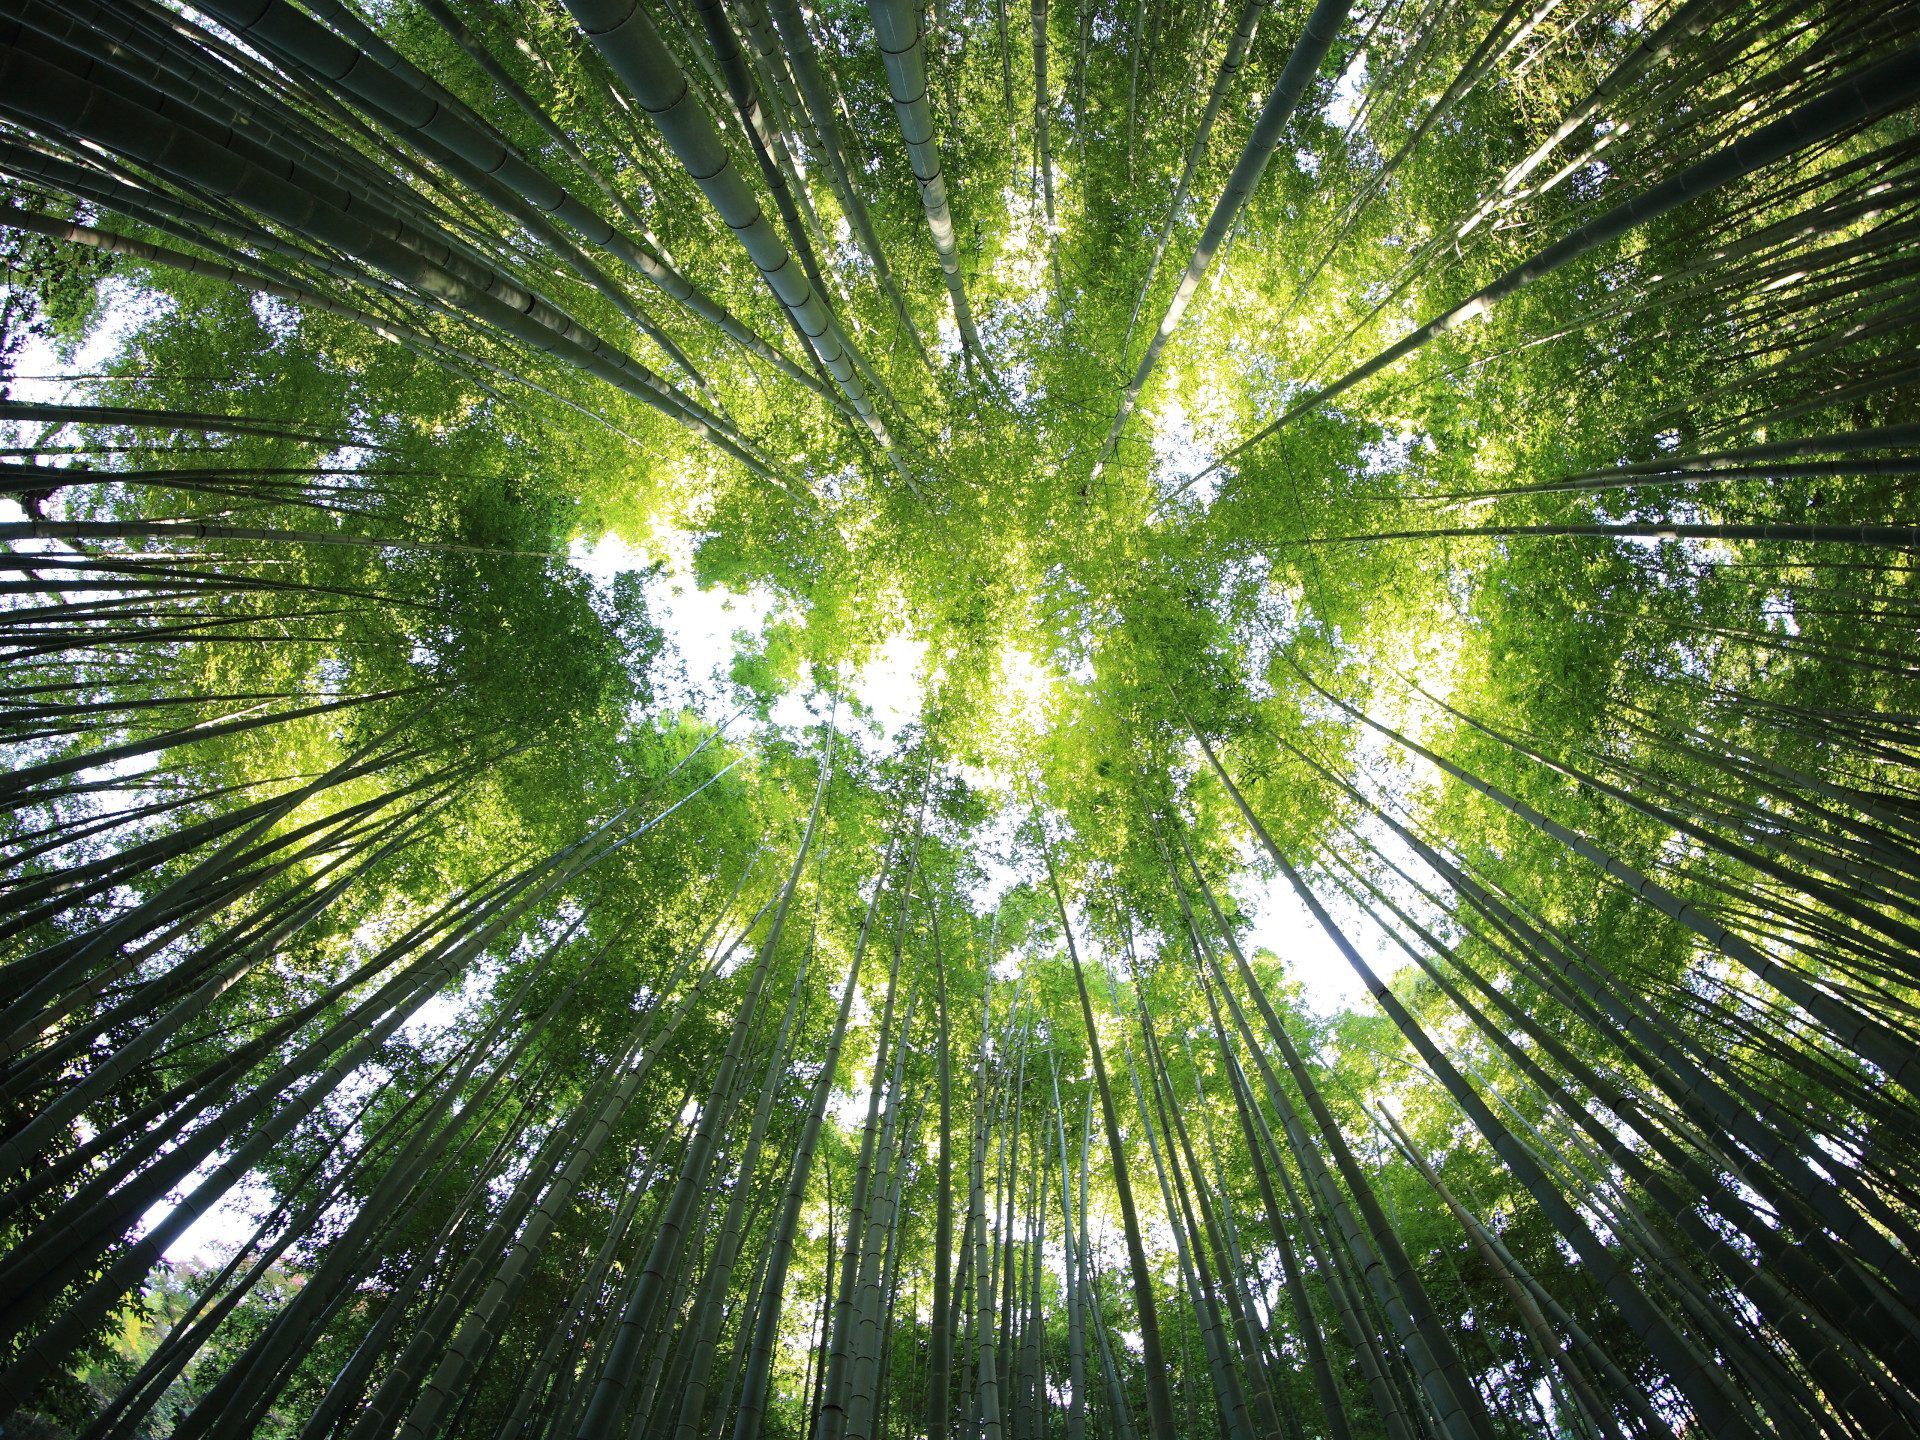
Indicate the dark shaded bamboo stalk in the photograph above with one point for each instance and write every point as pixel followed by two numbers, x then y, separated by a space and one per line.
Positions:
pixel 1159 1399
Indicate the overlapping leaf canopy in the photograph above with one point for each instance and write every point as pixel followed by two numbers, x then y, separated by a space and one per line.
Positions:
pixel 1440 471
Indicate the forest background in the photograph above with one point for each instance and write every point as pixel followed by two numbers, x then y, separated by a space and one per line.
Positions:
pixel 1411 493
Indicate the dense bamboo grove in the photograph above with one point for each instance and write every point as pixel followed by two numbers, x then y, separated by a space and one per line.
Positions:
pixel 1439 469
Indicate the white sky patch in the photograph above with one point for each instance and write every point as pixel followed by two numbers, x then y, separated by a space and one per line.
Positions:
pixel 1436 671
pixel 225 1227
pixel 444 1008
pixel 1022 679
pixel 1023 253
pixel 893 684
pixel 1177 450
pixel 700 624
pixel 948 339
pixel 850 1107
pixel 1347 91
pixel 124 310
pixel 994 847
pixel 1020 714
pixel 1285 926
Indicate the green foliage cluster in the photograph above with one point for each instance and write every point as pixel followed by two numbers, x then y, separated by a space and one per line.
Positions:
pixel 1355 651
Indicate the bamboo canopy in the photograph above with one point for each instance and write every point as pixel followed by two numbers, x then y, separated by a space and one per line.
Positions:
pixel 1391 908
